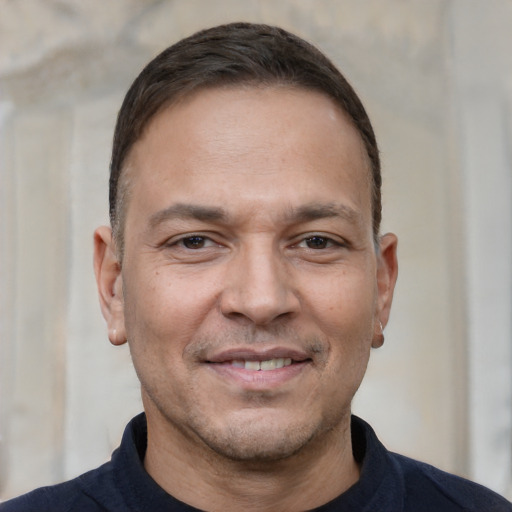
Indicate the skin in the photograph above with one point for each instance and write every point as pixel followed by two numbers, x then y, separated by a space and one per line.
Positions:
pixel 248 235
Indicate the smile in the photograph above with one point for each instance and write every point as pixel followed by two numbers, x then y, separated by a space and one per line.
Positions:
pixel 269 364
pixel 263 370
pixel 259 368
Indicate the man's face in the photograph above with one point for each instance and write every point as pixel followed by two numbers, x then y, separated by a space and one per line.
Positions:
pixel 252 288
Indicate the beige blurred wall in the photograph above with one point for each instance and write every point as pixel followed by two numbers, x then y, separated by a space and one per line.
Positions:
pixel 436 77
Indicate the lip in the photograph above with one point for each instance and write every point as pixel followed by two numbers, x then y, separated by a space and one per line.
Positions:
pixel 258 380
pixel 250 354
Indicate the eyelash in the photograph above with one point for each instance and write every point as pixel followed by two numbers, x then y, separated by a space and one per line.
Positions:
pixel 182 241
pixel 327 242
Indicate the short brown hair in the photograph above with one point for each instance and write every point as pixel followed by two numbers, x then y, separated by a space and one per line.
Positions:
pixel 233 54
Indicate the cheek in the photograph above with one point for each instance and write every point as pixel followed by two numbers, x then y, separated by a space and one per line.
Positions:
pixel 163 307
pixel 344 310
pixel 343 303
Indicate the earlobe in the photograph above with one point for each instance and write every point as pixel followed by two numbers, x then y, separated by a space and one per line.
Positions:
pixel 378 336
pixel 110 284
pixel 387 273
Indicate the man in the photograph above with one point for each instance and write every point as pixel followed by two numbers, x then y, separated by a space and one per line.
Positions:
pixel 245 268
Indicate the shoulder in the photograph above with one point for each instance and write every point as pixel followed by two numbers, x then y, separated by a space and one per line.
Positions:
pixel 404 484
pixel 102 489
pixel 434 489
pixel 64 497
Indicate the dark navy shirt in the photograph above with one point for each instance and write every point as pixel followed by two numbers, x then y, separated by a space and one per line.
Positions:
pixel 388 483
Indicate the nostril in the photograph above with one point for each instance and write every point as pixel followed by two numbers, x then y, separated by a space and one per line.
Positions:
pixel 282 316
pixel 235 315
pixel 258 319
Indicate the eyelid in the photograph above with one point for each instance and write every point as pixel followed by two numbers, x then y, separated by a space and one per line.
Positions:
pixel 332 239
pixel 177 239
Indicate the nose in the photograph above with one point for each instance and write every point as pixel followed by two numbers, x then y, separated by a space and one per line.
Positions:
pixel 259 286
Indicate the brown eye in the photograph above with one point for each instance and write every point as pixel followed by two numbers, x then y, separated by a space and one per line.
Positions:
pixel 317 242
pixel 194 242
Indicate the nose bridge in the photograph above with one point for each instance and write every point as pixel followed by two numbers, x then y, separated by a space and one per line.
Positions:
pixel 258 284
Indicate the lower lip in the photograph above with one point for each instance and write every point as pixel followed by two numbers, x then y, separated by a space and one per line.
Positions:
pixel 259 379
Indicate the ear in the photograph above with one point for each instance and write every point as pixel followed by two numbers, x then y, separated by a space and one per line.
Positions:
pixel 110 284
pixel 387 272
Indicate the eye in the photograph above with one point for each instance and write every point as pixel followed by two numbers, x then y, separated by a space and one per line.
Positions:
pixel 195 242
pixel 193 247
pixel 318 242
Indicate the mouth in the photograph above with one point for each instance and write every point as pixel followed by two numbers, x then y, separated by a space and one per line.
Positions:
pixel 264 366
pixel 259 360
pixel 261 368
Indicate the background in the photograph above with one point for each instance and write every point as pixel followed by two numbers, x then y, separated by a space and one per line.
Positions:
pixel 436 77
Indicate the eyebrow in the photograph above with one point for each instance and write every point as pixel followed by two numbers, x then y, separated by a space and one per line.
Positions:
pixel 305 213
pixel 189 211
pixel 315 211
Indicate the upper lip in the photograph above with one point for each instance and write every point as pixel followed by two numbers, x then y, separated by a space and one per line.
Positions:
pixel 251 354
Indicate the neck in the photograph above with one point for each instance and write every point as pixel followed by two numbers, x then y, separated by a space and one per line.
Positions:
pixel 321 471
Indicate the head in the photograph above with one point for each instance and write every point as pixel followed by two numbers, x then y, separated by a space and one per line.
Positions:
pixel 245 193
pixel 238 54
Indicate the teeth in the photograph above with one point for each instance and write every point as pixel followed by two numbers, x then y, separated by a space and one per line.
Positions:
pixel 270 364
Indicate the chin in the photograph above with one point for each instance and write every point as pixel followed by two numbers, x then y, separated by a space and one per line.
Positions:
pixel 258 440
pixel 249 446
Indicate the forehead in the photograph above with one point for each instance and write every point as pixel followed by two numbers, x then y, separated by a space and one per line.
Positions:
pixel 260 143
